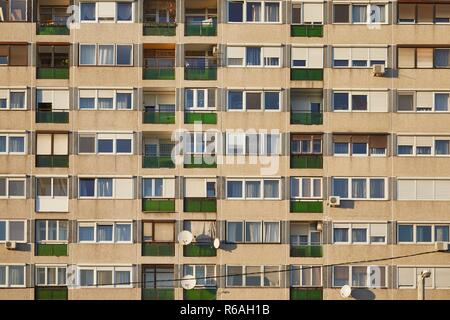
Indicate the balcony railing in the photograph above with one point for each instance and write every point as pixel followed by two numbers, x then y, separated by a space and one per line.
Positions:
pixel 199 250
pixel 159 117
pixel 52 29
pixel 200 294
pixel 200 161
pixel 52 117
pixel 158 249
pixel 158 205
pixel 158 294
pixel 157 162
pixel 200 205
pixel 303 206
pixel 306 117
pixel 200 29
pixel 51 249
pixel 307 74
pixel 203 117
pixel 307 30
pixel 306 293
pixel 160 29
pixel 314 251
pixel 159 73
pixel 52 73
pixel 307 161
pixel 200 73
pixel 52 161
pixel 50 293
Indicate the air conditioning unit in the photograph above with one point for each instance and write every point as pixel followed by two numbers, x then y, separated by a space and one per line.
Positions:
pixel 441 246
pixel 10 245
pixel 378 70
pixel 334 201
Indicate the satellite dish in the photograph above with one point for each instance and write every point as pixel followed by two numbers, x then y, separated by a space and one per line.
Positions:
pixel 346 291
pixel 188 282
pixel 216 243
pixel 185 237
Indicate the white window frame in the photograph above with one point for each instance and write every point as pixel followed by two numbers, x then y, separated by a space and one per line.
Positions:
pixel 414 147
pixel 356 225
pixel 11 178
pixel 350 95
pixel 113 270
pixel 244 276
pixel 206 141
pixel 13 135
pixel 415 188
pixel 57 232
pixel 114 152
pixel 95 97
pixel 7 282
pixel 96 63
pixel 349 185
pixel 164 179
pixel 8 99
pixel 350 57
pixel 299 269
pixel 244 180
pixel 46 267
pixel 195 106
pixel 204 266
pixel 414 225
pixel 263 12
pixel 262 92
pixel 416 268
pixel 95 224
pixel 350 273
pixel 7 230
pixel 115 20
pixel 368 10
pixel 300 188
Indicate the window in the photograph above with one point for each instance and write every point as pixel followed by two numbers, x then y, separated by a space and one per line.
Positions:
pixel 341 13
pixel 118 55
pixel 12 99
pixel 254 189
pixel 359 188
pixel 235 11
pixel 306 188
pixel 12 143
pixel 354 101
pixel 105 276
pixel 202 230
pixel 52 230
pixel 422 233
pixel 439 278
pixel 158 231
pixel 105 99
pixel 252 276
pixel 360 13
pixel 124 12
pixel 106 12
pixel 357 57
pixel 56 144
pixel 13 230
pixel 11 187
pixel 306 144
pixel 304 234
pixel 199 99
pixel 359 276
pixel 13 10
pixel 205 274
pixel 360 233
pixel 158 276
pixel 346 145
pixel 254 12
pixel 103 143
pixel 303 57
pixel 423 146
pixel 87 12
pixel 50 276
pixel 253 56
pixel 253 100
pixel 307 13
pixel 52 194
pixel 306 276
pixel 12 275
pixel 199 188
pixel 253 232
pixel 107 232
pixel 87 54
pixel 106 188
pixel 423 57
pixel 152 187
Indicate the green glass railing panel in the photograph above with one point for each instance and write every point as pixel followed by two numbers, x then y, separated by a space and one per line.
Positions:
pixel 48 249
pixel 53 30
pixel 200 205
pixel 306 161
pixel 201 30
pixel 158 294
pixel 306 293
pixel 307 74
pixel 52 117
pixel 50 293
pixel 158 249
pixel 307 206
pixel 159 73
pixel 306 30
pixel 200 294
pixel 159 117
pixel 312 251
pixel 199 161
pixel 199 250
pixel 167 30
pixel 306 118
pixel 55 161
pixel 200 73
pixel 158 162
pixel 53 73
pixel 203 117
pixel 158 205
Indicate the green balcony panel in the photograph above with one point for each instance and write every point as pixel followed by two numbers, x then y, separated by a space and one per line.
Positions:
pixel 54 161
pixel 52 117
pixel 311 251
pixel 207 30
pixel 52 73
pixel 200 204
pixel 203 117
pixel 307 30
pixel 306 118
pixel 307 74
pixel 306 294
pixel 50 293
pixel 307 161
pixel 51 249
pixel 160 29
pixel 158 205
pixel 208 73
pixel 200 161
pixel 158 294
pixel 200 294
pixel 51 30
pixel 159 117
pixel 158 249
pixel 199 250
pixel 157 162
pixel 306 206
pixel 159 73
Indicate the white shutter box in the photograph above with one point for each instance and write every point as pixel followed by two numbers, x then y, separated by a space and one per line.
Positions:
pixel 106 9
pixel 405 140
pixel 378 229
pixel 406 277
pixel 106 93
pixel 87 94
pixel 195 188
pixel 442 277
pixel 236 52
pixel 422 141
pixel 299 53
pixel 3 94
pixel 378 54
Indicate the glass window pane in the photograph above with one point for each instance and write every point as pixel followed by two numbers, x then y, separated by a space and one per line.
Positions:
pixel 405 233
pixel 16 275
pixel 253 56
pixel 235 11
pixel 234 189
pixel 423 233
pixel 253 232
pixel 124 54
pixel 105 145
pixel 235 100
pixel 340 101
pixel 123 232
pixel 16 230
pixel 86 277
pixel 124 11
pixel 60 187
pixel 16 144
pixel 253 11
pixel 87 54
pixel 377 188
pixel 441 233
pixel 87 12
pixel 271 189
pixel 234 232
pixel 104 233
pixel 340 187
pixel 16 188
pixel 359 276
pixel 86 233
pixel 340 276
pixel 123 145
pixel 87 187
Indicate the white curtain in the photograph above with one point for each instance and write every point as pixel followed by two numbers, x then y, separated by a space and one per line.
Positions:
pixel 123 232
pixel 272 12
pixel 87 54
pixel 358 188
pixel 104 187
pixel 17 100
pixel 106 55
pixel 16 144
pixel 253 232
pixel 104 233
pixel 122 277
pixel 123 101
pixel 16 275
pixel 253 189
pixel 271 232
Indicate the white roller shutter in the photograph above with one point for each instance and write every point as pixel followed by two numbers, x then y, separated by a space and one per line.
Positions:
pixel 315 58
pixel 406 189
pixel 406 277
pixel 169 188
pixel 44 144
pixel 378 101
pixel 195 188
pixel 313 12
pixel 424 189
pixel 442 190
pixel 60 144
pixel 424 99
pixel 61 99
pixel 123 188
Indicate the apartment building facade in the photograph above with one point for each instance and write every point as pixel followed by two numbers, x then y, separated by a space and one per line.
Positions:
pixel 315 138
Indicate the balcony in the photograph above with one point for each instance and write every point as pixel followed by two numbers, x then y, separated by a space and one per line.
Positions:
pixel 200 205
pixel 150 249
pixel 158 117
pixel 307 161
pixel 307 251
pixel 52 161
pixel 158 205
pixel 159 73
pixel 160 29
pixel 301 206
pixel 306 117
pixel 199 250
pixel 200 161
pixel 52 117
pixel 157 162
pixel 158 294
pixel 200 294
pixel 53 249
pixel 159 61
pixel 200 28
pixel 307 30
pixel 50 293
pixel 203 117
pixel 52 73
pixel 49 29
pixel 307 74
pixel 306 293
pixel 206 73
